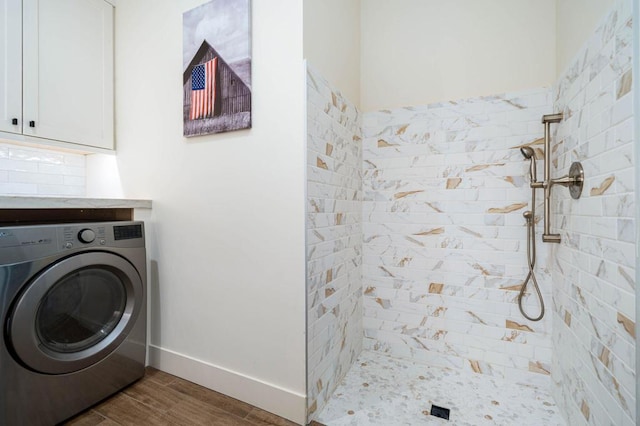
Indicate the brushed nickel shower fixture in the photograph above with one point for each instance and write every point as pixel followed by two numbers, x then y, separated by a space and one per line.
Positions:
pixel 574 180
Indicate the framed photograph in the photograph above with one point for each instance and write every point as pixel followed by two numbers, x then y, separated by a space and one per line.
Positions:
pixel 217 67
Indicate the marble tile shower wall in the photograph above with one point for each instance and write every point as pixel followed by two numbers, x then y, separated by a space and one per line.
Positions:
pixel 445 186
pixel 334 239
pixel 32 171
pixel 594 275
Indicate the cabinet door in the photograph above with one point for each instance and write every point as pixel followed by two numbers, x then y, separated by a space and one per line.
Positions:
pixel 68 71
pixel 10 65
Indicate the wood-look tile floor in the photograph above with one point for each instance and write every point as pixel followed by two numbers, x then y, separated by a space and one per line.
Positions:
pixel 162 399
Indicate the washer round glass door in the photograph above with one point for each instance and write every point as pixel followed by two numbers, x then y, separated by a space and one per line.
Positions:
pixel 75 312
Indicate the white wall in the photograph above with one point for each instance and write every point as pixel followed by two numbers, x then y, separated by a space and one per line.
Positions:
pixel 332 42
pixel 416 52
pixel 576 21
pixel 420 51
pixel 103 180
pixel 228 265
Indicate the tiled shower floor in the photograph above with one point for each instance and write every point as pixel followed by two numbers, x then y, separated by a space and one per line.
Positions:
pixel 379 390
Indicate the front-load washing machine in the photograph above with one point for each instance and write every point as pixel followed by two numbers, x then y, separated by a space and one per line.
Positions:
pixel 73 311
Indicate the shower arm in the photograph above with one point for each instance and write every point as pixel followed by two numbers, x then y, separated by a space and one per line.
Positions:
pixel 574 180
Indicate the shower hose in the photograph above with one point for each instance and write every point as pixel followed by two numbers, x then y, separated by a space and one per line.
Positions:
pixel 531 260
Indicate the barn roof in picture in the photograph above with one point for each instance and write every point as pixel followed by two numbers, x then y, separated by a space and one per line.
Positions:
pixel 225 105
pixel 206 50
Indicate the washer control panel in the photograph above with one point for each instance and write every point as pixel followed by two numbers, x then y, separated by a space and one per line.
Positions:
pixel 19 243
pixel 83 236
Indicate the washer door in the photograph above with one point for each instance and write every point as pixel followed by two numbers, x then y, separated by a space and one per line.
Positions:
pixel 75 312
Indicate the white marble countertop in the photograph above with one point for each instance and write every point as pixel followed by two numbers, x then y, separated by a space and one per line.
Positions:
pixel 35 202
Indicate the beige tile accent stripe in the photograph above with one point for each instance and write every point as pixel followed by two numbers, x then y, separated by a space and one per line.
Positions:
pixel 516 326
pixel 435 231
pixel 399 195
pixel 606 184
pixel 508 209
pixel 384 144
pixel 453 183
pixel 629 326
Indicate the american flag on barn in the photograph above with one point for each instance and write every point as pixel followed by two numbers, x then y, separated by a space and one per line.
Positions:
pixel 203 89
pixel 214 94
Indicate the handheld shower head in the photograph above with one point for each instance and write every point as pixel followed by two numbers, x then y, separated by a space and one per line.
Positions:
pixel 530 154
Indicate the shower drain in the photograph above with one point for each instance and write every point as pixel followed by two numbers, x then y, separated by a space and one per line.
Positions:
pixel 441 412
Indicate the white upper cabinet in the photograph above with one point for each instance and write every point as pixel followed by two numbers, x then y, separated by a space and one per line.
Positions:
pixel 67 72
pixel 10 66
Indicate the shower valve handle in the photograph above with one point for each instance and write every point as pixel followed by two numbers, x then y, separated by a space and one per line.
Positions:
pixel 566 181
pixel 574 180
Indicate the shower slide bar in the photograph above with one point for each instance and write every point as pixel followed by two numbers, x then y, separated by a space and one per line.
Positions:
pixel 574 180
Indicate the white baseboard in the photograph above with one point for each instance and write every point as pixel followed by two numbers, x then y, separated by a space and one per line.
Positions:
pixel 269 397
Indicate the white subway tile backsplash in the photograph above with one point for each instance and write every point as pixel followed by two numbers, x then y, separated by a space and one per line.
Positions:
pixel 73 191
pixel 18 165
pixel 33 171
pixel 74 181
pixel 75 160
pixel 74 171
pixel 27 177
pixel 19 188
pixel 32 155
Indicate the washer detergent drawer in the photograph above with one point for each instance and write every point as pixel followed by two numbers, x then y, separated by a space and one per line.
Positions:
pixel 75 312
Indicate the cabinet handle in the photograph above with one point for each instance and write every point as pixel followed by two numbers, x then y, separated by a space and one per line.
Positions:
pixel 14 121
pixel 32 123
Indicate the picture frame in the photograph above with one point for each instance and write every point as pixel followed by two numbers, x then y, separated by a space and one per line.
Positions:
pixel 217 67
